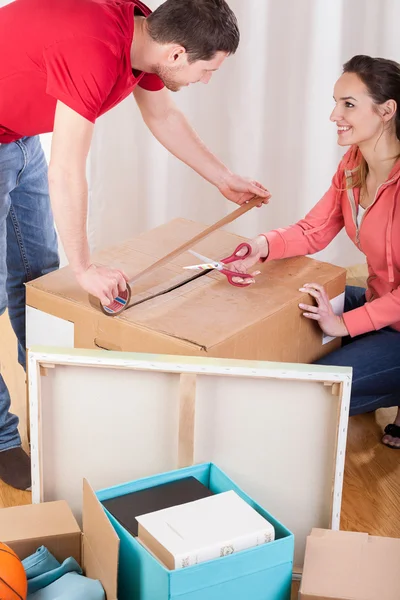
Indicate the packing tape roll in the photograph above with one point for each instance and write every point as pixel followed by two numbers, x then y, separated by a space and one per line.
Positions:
pixel 118 305
pixel 122 302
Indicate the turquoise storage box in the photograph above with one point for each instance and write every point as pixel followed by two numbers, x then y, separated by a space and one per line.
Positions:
pixel 260 573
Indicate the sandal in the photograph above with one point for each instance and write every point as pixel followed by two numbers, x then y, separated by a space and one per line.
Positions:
pixel 394 431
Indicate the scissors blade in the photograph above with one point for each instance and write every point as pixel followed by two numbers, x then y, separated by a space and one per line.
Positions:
pixel 202 267
pixel 215 264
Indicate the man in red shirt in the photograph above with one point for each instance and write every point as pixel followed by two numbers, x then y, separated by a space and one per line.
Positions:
pixel 63 64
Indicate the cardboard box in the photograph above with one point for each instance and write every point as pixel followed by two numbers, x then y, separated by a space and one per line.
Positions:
pixel 184 312
pixel 52 524
pixel 260 573
pixel 343 565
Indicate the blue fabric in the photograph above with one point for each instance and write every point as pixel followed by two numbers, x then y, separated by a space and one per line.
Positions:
pixel 40 562
pixel 48 579
pixel 42 569
pixel 28 248
pixel 375 358
pixel 71 587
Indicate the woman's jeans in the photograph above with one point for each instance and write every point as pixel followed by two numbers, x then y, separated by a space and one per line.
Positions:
pixel 28 248
pixel 375 358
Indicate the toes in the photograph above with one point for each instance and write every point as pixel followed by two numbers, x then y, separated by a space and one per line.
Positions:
pixel 388 440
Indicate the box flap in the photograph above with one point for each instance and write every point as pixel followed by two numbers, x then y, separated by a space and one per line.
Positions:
pixel 341 565
pixel 332 566
pixel 37 521
pixel 222 310
pixel 100 544
pixel 381 569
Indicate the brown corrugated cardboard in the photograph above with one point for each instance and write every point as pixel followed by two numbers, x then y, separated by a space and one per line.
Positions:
pixel 25 528
pixel 52 524
pixel 341 565
pixel 100 543
pixel 176 312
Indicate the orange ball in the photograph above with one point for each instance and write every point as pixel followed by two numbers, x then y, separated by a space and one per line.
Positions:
pixel 13 582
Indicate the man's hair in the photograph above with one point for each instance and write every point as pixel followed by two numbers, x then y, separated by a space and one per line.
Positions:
pixel 202 27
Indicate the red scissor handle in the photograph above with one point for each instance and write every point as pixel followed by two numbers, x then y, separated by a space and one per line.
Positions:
pixel 231 274
pixel 233 258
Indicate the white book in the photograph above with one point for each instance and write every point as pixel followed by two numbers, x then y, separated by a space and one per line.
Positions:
pixel 192 533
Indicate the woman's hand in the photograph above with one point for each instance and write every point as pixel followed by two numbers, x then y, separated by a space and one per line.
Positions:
pixel 259 249
pixel 330 323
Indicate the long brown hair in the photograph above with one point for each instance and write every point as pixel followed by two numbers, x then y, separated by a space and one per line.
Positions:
pixel 381 77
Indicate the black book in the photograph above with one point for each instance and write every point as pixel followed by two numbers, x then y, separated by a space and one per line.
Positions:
pixel 126 508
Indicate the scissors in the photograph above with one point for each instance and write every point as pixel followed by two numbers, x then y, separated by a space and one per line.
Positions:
pixel 220 265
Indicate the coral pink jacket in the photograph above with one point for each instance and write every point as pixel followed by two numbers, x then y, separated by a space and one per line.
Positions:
pixel 378 237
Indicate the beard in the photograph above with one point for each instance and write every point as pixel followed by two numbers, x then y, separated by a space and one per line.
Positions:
pixel 167 76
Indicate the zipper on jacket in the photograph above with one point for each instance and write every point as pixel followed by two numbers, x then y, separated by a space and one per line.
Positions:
pixel 372 203
pixel 350 196
pixel 353 207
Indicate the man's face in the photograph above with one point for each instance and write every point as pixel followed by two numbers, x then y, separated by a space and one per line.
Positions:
pixel 177 72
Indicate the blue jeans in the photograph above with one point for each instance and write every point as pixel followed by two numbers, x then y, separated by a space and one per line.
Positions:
pixel 28 248
pixel 375 358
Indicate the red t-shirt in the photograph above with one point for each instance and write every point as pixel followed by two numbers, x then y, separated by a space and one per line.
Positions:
pixel 75 51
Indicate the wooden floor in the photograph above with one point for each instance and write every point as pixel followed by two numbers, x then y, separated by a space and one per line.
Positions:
pixel 15 378
pixel 371 494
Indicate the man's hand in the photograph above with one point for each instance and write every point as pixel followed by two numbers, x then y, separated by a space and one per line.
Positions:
pixel 103 283
pixel 240 190
pixel 330 323
pixel 171 128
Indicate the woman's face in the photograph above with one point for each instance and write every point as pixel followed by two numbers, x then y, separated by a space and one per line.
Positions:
pixel 355 113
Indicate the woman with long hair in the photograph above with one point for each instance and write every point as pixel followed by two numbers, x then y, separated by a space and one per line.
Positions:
pixel 364 198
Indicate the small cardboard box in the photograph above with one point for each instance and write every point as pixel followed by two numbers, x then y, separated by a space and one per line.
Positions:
pixel 183 312
pixel 260 573
pixel 343 565
pixel 52 524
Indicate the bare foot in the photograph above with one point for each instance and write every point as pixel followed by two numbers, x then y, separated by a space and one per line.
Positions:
pixel 392 434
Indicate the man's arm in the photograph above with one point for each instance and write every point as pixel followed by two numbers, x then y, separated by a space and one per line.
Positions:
pixel 171 128
pixel 69 198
